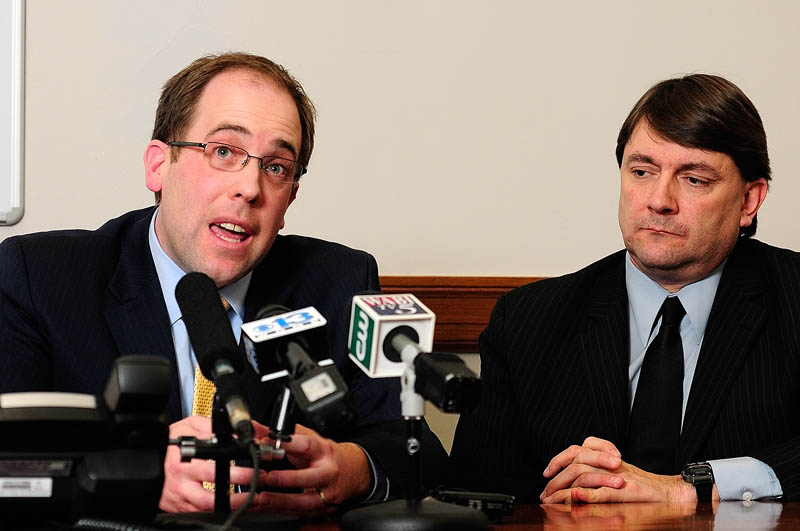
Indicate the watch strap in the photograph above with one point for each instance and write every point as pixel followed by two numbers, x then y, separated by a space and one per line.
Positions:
pixel 704 490
pixel 701 476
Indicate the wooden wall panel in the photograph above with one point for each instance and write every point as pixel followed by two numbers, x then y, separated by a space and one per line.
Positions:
pixel 462 304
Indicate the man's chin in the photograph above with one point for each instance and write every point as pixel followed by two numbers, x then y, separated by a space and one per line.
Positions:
pixel 225 276
pixel 657 261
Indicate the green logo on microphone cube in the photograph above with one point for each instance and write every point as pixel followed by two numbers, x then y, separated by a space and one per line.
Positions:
pixel 361 338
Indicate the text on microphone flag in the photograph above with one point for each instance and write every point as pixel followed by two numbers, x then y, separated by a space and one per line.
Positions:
pixel 284 324
pixel 394 304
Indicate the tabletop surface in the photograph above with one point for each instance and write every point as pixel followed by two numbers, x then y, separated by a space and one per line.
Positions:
pixel 635 516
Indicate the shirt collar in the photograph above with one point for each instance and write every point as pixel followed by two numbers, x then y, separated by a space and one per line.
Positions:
pixel 645 297
pixel 169 274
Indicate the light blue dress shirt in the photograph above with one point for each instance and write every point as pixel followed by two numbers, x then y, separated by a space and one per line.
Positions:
pixel 740 478
pixel 168 275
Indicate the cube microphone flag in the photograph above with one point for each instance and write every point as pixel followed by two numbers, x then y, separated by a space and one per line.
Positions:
pixel 374 318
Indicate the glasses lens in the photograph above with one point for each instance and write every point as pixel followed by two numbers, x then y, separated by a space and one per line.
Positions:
pixel 278 170
pixel 224 157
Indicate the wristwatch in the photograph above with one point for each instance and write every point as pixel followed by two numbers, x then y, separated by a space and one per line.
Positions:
pixel 701 476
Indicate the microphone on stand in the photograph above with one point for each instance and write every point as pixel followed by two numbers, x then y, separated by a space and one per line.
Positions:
pixel 283 339
pixel 215 347
pixel 392 336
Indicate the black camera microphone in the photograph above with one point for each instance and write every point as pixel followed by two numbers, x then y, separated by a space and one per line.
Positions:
pixel 281 338
pixel 215 347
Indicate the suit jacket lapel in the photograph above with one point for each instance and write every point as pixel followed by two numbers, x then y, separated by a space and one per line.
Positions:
pixel 604 346
pixel 135 310
pixel 736 318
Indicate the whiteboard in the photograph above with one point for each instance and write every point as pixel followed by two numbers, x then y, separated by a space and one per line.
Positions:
pixel 12 43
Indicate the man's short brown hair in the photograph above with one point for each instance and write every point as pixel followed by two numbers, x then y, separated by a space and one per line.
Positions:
pixel 706 112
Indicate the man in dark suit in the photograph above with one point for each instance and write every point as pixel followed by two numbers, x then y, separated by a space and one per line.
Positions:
pixel 669 370
pixel 233 135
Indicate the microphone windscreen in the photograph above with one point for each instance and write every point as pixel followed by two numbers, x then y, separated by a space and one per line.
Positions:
pixel 271 310
pixel 206 323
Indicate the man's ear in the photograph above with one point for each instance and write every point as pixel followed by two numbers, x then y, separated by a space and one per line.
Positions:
pixel 754 194
pixel 155 164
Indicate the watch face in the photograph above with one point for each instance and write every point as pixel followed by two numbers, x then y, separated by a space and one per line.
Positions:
pixel 698 473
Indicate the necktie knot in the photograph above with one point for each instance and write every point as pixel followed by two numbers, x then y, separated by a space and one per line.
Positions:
pixel 672 312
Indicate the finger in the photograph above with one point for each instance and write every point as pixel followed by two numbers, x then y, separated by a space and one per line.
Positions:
pixel 299 428
pixel 196 470
pixel 317 476
pixel 185 496
pixel 601 495
pixel 261 432
pixel 561 460
pixel 565 479
pixel 194 426
pixel 585 475
pixel 597 459
pixel 301 503
pixel 599 479
pixel 601 445
pixel 559 496
pixel 303 450
pixel 242 475
pixel 200 470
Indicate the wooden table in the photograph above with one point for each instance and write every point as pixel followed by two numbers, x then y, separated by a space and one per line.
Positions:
pixel 641 516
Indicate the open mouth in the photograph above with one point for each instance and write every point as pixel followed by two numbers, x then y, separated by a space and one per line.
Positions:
pixel 229 232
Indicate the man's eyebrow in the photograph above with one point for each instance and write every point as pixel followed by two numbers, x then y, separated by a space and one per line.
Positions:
pixel 711 171
pixel 286 145
pixel 283 144
pixel 230 127
pixel 640 158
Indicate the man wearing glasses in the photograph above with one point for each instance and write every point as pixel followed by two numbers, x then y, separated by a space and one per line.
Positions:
pixel 233 135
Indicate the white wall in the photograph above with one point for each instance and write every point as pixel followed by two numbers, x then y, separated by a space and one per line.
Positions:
pixel 455 137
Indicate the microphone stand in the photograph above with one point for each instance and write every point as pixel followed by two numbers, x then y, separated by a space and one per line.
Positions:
pixel 223 448
pixel 221 427
pixel 413 513
pixel 282 425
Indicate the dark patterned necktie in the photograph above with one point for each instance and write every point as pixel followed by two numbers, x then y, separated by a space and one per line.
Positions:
pixel 654 430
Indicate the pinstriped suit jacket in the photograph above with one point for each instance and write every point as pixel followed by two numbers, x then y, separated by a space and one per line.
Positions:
pixel 554 362
pixel 73 301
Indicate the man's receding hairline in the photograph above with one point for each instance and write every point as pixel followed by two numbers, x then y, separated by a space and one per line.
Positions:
pixel 257 78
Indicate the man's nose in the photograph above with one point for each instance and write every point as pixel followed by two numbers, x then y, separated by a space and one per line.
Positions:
pixel 663 196
pixel 247 182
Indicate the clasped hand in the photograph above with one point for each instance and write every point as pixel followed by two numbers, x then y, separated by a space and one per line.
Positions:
pixel 328 472
pixel 595 473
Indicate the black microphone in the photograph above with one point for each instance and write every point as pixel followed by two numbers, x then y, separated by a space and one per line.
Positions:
pixel 284 338
pixel 215 347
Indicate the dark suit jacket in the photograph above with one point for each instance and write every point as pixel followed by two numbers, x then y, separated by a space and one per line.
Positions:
pixel 73 301
pixel 554 365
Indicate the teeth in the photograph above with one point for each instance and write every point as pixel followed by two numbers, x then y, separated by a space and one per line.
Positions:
pixel 232 227
pixel 231 240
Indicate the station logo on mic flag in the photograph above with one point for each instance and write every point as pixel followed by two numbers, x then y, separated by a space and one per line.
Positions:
pixel 361 333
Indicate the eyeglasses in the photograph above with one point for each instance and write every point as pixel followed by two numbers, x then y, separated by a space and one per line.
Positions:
pixel 226 157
